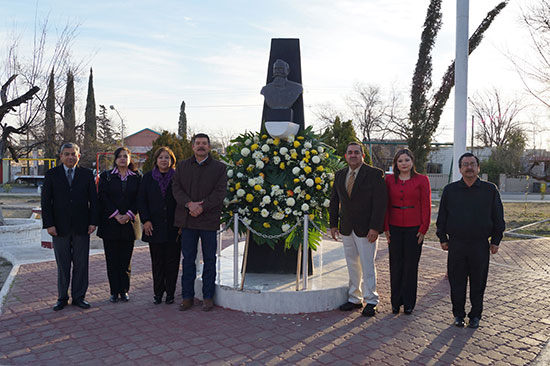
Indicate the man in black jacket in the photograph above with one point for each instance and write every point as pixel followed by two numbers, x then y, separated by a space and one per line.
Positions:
pixel 470 212
pixel 69 213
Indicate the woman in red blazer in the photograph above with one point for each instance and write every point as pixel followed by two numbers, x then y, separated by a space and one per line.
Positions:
pixel 407 220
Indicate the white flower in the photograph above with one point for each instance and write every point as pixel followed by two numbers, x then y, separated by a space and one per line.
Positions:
pixel 245 151
pixel 276 160
pixel 257 154
pixel 278 215
pixel 256 139
pixel 297 190
pixel 302 164
pixel 290 138
pixel 320 149
pixel 309 182
pixel 287 157
pixel 326 202
pixel 290 201
pixel 269 141
pixel 307 145
pixel 283 150
pixel 266 200
pixel 302 177
pixel 285 227
pixel 240 192
pixel 296 213
pixel 247 221
pixel 264 213
pixel 239 175
pixel 241 211
pixel 230 173
pixel 226 201
pixel 265 148
pixel 288 210
pixel 251 182
pixel 248 142
pixel 305 207
pixel 295 170
pixel 303 151
pixel 315 159
pixel 260 164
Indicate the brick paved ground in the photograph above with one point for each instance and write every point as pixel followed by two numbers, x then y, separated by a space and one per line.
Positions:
pixel 514 330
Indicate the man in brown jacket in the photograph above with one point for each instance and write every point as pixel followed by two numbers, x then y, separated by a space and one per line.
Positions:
pixel 358 203
pixel 199 187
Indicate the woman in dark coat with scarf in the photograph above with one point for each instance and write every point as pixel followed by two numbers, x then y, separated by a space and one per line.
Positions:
pixel 156 208
pixel 118 190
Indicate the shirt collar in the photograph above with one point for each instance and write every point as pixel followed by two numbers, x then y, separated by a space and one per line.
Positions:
pixel 356 170
pixel 477 183
pixel 203 161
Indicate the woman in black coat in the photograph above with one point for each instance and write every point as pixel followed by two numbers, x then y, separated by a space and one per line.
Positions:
pixel 156 209
pixel 118 191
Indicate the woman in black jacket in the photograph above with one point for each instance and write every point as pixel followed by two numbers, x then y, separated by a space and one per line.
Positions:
pixel 118 191
pixel 156 209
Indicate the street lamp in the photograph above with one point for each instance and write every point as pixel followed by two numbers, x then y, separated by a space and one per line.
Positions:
pixel 112 107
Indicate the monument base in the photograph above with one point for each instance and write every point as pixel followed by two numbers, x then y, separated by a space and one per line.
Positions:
pixel 264 259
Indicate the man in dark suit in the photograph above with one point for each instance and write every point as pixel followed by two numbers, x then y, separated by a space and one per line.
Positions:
pixel 358 204
pixel 69 213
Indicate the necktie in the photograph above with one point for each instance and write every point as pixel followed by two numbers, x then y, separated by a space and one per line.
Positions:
pixel 351 180
pixel 70 176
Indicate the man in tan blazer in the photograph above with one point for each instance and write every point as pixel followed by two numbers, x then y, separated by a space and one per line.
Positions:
pixel 358 204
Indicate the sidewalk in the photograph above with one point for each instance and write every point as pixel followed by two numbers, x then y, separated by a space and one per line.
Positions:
pixel 514 330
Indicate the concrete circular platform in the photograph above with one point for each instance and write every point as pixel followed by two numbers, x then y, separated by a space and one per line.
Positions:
pixel 276 293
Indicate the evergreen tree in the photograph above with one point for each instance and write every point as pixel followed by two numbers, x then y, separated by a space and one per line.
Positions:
pixel 50 145
pixel 339 135
pixel 180 146
pixel 69 119
pixel 107 135
pixel 426 110
pixel 182 124
pixel 90 118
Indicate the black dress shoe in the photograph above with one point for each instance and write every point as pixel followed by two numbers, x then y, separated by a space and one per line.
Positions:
pixel 348 306
pixel 395 309
pixel 369 310
pixel 169 299
pixel 408 311
pixel 59 305
pixel 157 300
pixel 113 298
pixel 474 323
pixel 459 321
pixel 81 303
pixel 124 297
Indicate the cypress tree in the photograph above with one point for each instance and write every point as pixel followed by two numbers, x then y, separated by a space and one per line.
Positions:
pixel 49 123
pixel 90 122
pixel 69 119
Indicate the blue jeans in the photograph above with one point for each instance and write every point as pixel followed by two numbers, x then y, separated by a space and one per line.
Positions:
pixel 189 244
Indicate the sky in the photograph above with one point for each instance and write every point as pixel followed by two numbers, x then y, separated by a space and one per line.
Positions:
pixel 149 56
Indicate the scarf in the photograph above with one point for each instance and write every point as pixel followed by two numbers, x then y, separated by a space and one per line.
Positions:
pixel 163 179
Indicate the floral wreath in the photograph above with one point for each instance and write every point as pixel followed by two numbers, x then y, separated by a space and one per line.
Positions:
pixel 273 183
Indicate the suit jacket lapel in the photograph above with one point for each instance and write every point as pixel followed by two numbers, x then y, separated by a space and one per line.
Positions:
pixel 361 175
pixel 62 176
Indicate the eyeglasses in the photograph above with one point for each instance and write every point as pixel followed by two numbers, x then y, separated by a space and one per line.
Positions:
pixel 473 163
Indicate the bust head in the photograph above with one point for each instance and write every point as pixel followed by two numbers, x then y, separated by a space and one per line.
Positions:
pixel 280 68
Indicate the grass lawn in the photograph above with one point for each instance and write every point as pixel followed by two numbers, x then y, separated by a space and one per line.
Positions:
pixel 515 214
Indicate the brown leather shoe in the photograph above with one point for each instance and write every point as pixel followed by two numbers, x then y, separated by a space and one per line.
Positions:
pixel 207 305
pixel 186 304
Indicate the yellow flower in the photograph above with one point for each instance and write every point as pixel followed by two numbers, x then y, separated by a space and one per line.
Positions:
pixel 238 185
pixel 300 137
pixel 318 180
pixel 266 225
pixel 318 186
pixel 276 141
pixel 311 217
pixel 331 183
pixel 254 147
pixel 264 137
pixel 307 154
pixel 282 165
pixel 275 153
pixel 257 187
pixel 296 144
pixel 308 197
pixel 231 213
pixel 326 155
pixel 249 197
pixel 307 169
pixel 262 175
pixel 231 189
pixel 306 160
pixel 275 202
pixel 314 152
pixel 296 180
pixel 320 168
pixel 294 155
pixel 256 209
pixel 250 168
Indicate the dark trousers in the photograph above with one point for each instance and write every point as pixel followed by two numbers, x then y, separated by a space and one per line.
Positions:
pixel 118 254
pixel 189 244
pixel 165 260
pixel 405 254
pixel 468 259
pixel 73 249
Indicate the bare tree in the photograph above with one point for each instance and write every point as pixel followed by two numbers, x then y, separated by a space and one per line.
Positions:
pixel 368 109
pixel 497 118
pixel 326 115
